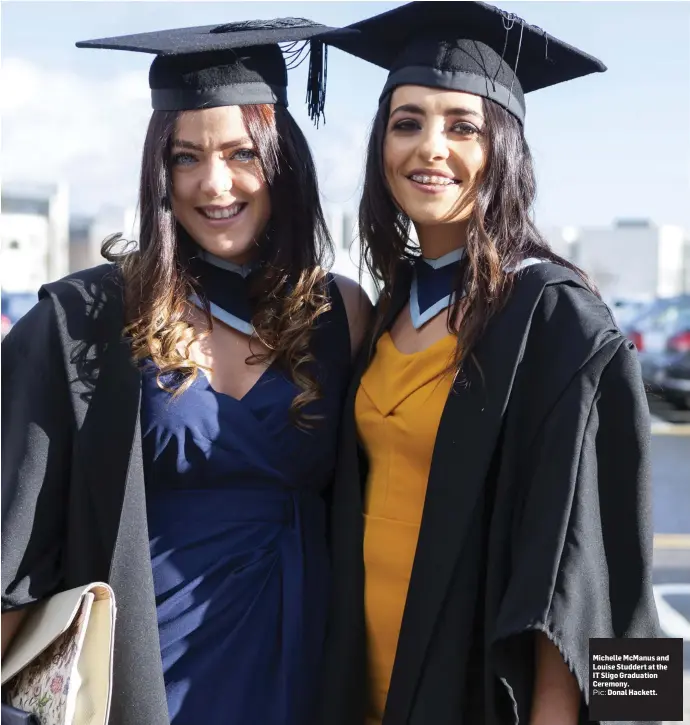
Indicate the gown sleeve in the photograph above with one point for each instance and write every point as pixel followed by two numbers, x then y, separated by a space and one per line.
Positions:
pixel 37 431
pixel 583 537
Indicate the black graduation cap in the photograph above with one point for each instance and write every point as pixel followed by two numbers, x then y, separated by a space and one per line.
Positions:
pixel 465 46
pixel 236 63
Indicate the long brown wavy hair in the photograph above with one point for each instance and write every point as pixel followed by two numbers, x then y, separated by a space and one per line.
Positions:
pixel 500 229
pixel 295 248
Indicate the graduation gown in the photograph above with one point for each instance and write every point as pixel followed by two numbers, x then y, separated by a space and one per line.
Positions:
pixel 536 518
pixel 73 499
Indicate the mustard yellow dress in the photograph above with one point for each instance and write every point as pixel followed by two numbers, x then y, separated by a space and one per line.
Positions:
pixel 397 409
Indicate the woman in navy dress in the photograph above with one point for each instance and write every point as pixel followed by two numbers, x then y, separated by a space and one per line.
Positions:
pixel 243 343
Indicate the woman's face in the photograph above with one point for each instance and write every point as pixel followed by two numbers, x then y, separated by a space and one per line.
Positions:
pixel 220 195
pixel 433 151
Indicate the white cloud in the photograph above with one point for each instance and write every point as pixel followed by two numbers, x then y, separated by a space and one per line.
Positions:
pixel 19 82
pixel 59 126
pixel 132 87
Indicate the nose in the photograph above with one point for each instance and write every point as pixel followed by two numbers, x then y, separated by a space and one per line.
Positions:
pixel 433 144
pixel 217 178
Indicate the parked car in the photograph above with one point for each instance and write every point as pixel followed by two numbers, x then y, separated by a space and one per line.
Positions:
pixel 5 325
pixel 662 336
pixel 625 309
pixel 14 306
pixel 675 382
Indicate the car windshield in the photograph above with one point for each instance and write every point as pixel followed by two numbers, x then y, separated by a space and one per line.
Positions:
pixel 682 321
pixel 664 314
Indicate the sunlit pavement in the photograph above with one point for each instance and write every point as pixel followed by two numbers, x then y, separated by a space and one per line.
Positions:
pixel 671 500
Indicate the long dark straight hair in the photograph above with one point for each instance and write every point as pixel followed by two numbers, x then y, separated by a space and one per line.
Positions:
pixel 295 248
pixel 500 230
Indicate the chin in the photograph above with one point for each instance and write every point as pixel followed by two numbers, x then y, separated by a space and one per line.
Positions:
pixel 433 211
pixel 238 245
pixel 437 213
pixel 434 216
pixel 240 250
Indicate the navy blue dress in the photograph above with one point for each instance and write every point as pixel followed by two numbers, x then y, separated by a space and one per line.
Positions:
pixel 235 496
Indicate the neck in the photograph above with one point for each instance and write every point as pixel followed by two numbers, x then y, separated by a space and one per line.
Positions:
pixel 439 239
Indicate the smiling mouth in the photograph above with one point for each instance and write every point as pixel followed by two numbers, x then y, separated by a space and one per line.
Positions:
pixel 427 180
pixel 216 213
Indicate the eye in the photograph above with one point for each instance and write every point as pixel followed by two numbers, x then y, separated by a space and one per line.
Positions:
pixel 465 128
pixel 183 159
pixel 406 124
pixel 244 155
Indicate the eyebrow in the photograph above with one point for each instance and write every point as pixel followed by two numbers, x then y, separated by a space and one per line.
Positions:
pixel 181 143
pixel 412 108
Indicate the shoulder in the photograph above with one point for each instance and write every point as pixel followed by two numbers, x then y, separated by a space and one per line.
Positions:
pixel 36 329
pixel 33 358
pixel 86 305
pixel 85 286
pixel 89 303
pixel 565 329
pixel 572 353
pixel 565 308
pixel 556 315
pixel 358 308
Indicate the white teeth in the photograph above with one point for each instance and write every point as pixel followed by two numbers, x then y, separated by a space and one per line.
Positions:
pixel 434 180
pixel 226 213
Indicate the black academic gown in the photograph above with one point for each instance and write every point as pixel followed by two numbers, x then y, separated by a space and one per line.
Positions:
pixel 73 499
pixel 537 518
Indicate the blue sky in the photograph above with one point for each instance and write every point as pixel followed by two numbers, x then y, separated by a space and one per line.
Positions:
pixel 608 146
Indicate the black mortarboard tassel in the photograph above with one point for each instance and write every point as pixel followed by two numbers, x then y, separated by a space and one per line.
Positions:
pixel 316 83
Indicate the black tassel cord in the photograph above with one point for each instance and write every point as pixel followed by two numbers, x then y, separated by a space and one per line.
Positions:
pixel 316 75
pixel 316 85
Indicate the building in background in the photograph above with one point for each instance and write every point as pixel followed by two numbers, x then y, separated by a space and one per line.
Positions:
pixel 80 252
pixel 87 234
pixel 561 240
pixel 34 235
pixel 90 233
pixel 342 224
pixel 40 242
pixel 633 259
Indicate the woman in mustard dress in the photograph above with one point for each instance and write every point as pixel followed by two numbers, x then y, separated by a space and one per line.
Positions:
pixel 486 523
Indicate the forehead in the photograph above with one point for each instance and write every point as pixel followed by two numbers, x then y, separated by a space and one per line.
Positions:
pixel 217 125
pixel 435 100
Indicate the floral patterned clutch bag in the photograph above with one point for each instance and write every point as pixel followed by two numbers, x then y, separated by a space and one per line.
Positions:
pixel 59 666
